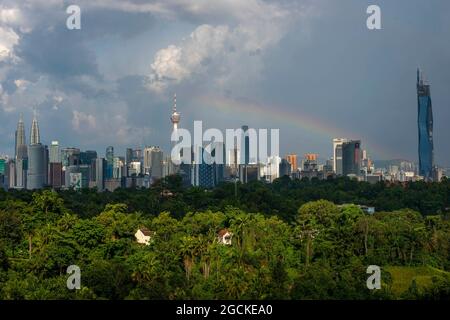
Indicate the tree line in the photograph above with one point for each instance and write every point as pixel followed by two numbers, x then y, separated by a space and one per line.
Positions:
pixel 293 239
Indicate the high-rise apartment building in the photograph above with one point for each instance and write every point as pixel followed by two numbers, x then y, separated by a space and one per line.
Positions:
pixel 292 159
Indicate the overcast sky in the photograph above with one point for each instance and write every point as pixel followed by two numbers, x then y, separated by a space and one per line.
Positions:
pixel 310 68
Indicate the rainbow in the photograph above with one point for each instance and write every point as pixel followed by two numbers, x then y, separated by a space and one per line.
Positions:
pixel 297 120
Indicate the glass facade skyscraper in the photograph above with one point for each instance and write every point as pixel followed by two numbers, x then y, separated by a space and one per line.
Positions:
pixel 425 127
pixel 109 162
pixel 351 157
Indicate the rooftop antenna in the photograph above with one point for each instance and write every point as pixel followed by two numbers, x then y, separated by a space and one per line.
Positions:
pixel 174 102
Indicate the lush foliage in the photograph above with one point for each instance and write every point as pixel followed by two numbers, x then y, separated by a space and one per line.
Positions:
pixel 291 240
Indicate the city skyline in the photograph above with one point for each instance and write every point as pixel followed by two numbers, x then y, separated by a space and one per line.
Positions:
pixel 175 118
pixel 293 76
pixel 212 161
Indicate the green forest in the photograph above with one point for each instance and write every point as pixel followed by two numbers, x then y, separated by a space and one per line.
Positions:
pixel 292 239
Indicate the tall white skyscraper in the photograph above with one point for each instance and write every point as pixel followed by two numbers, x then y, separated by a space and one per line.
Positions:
pixel 337 154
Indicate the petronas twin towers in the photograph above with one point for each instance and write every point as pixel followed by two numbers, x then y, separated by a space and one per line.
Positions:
pixel 21 145
pixel 29 159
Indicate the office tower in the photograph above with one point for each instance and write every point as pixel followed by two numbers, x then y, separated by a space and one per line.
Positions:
pixel 216 158
pixel 70 157
pixel 118 167
pixel 438 174
pixel 6 173
pixel 46 158
pixel 3 174
pixel 21 145
pixel 292 159
pixel 137 154
pixel 271 170
pixel 202 174
pixel 153 162
pixel 77 176
pixel 185 170
pixel 34 135
pixel 87 157
pixel 55 175
pixel 2 166
pixel 425 128
pixel 85 171
pixel 250 172
pixel 134 168
pixel 75 181
pixel 12 174
pixel 351 157
pixel 21 173
pixel 310 162
pixel 109 162
pixel 328 168
pixel 100 173
pixel 337 155
pixel 285 168
pixel 168 167
pixel 69 174
pixel 36 166
pixel 129 156
pixel 232 164
pixel 246 145
pixel 310 167
pixel 55 155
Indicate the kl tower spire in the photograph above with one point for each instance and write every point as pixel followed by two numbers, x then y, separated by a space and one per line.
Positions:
pixel 175 117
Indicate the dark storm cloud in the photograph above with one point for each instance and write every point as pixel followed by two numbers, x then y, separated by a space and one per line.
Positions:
pixel 326 65
pixel 98 23
pixel 59 53
pixel 364 81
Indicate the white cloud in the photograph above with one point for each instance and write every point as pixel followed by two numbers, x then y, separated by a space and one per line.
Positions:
pixel 10 16
pixel 8 38
pixel 82 121
pixel 226 54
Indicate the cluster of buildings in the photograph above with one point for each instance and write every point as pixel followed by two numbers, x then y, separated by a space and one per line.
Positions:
pixel 36 165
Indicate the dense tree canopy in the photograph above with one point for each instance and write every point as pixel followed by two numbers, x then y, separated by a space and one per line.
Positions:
pixel 290 240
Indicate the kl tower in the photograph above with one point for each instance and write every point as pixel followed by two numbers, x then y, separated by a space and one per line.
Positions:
pixel 175 119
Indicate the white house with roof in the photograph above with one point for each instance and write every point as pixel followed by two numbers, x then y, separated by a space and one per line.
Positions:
pixel 143 236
